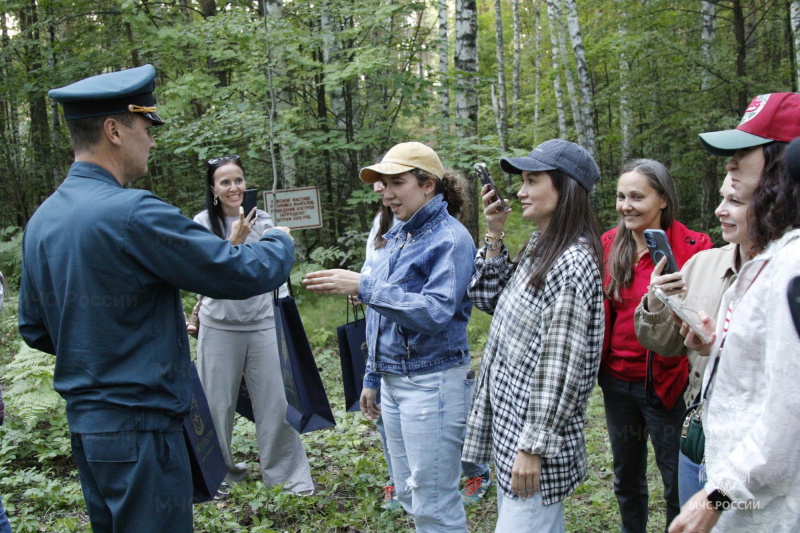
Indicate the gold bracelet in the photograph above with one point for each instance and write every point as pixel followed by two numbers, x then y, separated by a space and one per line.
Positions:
pixel 490 238
pixel 492 245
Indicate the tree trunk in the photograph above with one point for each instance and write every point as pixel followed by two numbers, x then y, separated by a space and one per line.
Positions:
pixel 537 70
pixel 625 116
pixel 795 17
pixel 515 93
pixel 273 11
pixel 565 68
pixel 330 52
pixel 708 15
pixel 466 64
pixel 502 102
pixel 584 82
pixel 444 59
pixel 562 120
pixel 741 53
pixel 40 161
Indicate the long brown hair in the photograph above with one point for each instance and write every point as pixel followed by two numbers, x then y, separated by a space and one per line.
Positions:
pixel 573 221
pixel 623 251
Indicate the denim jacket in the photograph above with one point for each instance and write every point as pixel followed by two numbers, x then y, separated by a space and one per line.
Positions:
pixel 416 294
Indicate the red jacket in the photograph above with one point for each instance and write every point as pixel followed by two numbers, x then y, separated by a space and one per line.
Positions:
pixel 623 356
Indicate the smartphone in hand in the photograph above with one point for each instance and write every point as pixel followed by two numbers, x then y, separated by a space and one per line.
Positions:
pixel 687 314
pixel 659 247
pixel 486 179
pixel 249 200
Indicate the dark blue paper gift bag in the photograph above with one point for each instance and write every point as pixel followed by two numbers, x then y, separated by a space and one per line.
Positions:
pixel 353 353
pixel 205 456
pixel 308 408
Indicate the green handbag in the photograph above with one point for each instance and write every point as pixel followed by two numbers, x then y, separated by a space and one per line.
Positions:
pixel 693 439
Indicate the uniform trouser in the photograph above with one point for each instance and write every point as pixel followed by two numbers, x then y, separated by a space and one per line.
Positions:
pixel 630 420
pixel 5 527
pixel 135 481
pixel 223 357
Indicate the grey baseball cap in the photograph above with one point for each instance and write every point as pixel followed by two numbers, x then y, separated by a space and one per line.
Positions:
pixel 556 154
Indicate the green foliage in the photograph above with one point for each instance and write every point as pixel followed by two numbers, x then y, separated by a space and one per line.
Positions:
pixel 11 254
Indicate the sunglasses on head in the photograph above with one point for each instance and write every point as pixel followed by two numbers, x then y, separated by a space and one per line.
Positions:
pixel 217 160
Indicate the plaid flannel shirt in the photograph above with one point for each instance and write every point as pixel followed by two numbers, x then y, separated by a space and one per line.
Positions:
pixel 539 366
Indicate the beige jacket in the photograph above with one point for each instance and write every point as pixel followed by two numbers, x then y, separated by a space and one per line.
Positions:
pixel 708 274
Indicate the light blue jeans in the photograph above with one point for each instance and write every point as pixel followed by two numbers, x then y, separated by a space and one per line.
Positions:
pixel 691 478
pixel 468 469
pixel 528 515
pixel 424 416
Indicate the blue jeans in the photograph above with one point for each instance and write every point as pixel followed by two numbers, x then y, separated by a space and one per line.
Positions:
pixel 425 416
pixel 382 433
pixel 630 420
pixel 5 526
pixel 691 478
pixel 528 515
pixel 468 469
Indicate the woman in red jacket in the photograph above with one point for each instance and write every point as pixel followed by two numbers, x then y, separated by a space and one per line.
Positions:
pixel 642 391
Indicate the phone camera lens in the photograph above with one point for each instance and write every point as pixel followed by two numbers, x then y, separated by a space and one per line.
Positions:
pixel 649 239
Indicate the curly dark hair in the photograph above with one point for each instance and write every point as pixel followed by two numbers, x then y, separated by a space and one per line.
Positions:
pixel 450 186
pixel 775 200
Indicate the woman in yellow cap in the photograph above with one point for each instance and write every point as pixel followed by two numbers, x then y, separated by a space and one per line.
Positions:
pixel 417 317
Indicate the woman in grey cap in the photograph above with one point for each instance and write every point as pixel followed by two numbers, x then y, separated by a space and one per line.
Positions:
pixel 543 352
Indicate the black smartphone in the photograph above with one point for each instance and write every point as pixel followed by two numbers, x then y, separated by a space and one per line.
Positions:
pixel 486 179
pixel 249 201
pixel 659 247
pixel 794 301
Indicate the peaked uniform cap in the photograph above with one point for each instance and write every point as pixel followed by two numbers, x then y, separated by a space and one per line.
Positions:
pixel 402 158
pixel 769 117
pixel 126 91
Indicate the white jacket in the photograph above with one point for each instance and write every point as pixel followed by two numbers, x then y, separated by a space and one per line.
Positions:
pixel 752 416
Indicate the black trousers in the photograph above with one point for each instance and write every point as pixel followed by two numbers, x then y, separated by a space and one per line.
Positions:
pixel 136 481
pixel 630 420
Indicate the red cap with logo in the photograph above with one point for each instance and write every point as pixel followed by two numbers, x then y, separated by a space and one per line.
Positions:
pixel 769 117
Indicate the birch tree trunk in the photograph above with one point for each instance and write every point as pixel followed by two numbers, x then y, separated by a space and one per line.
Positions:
pixel 795 16
pixel 502 102
pixel 466 64
pixel 537 70
pixel 444 58
pixel 584 82
pixel 708 22
pixel 558 24
pixel 517 59
pixel 330 51
pixel 562 119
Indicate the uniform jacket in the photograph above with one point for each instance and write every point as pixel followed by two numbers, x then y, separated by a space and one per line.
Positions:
pixel 102 270
pixel 751 418
pixel 623 356
pixel 416 295
pixel 707 275
pixel 539 366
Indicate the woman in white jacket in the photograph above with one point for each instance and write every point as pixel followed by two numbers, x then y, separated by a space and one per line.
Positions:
pixel 750 416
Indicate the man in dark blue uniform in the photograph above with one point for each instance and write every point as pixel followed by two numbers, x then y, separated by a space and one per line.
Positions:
pixel 102 273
